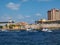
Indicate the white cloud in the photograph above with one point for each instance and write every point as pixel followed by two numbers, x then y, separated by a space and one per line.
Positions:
pixel 38 14
pixel 13 6
pixel 24 0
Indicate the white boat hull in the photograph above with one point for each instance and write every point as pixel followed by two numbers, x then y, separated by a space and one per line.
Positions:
pixel 46 30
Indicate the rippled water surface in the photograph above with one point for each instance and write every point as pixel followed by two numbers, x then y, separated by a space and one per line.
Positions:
pixel 30 38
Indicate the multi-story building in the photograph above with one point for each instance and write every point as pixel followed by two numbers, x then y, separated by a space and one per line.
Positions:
pixel 53 20
pixel 54 14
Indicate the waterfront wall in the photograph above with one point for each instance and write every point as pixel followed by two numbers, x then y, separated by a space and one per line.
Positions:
pixel 33 26
pixel 49 25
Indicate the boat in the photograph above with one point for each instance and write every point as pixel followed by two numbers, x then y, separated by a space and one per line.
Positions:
pixel 4 30
pixel 46 30
pixel 31 30
pixel 28 29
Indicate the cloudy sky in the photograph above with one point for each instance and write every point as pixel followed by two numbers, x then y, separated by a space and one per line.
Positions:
pixel 26 10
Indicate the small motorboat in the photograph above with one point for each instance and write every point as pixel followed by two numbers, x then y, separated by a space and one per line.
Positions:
pixel 29 29
pixel 46 30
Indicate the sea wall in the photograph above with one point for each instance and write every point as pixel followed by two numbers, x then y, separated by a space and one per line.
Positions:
pixel 51 26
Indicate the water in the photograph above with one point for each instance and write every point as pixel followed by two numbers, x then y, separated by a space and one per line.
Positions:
pixel 30 38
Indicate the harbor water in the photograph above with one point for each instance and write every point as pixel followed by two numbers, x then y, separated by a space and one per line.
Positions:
pixel 29 38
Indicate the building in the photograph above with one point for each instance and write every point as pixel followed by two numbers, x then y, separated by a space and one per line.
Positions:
pixel 15 26
pixel 43 21
pixel 54 14
pixel 51 24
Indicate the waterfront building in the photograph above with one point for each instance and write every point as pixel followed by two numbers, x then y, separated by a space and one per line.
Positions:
pixel 53 19
pixel 35 26
pixel 43 21
pixel 6 23
pixel 54 14
pixel 22 24
pixel 49 23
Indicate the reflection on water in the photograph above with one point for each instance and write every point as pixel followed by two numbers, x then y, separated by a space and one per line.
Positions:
pixel 30 38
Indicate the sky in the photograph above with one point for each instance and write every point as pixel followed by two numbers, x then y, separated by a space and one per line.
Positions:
pixel 26 10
